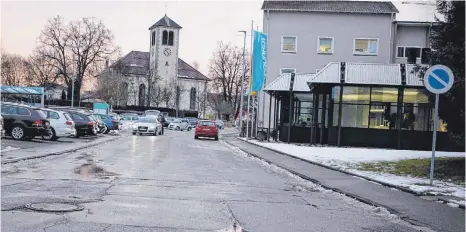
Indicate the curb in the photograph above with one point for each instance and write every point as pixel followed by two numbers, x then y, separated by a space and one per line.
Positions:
pixel 346 172
pixel 93 144
pixel 356 197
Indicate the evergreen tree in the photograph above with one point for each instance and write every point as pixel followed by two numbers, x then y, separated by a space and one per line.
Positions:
pixel 447 41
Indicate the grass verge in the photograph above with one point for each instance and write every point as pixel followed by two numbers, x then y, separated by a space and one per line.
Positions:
pixel 448 169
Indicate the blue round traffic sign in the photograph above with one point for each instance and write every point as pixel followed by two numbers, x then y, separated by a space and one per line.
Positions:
pixel 438 79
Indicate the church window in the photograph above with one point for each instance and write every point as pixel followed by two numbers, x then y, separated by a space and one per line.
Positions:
pixel 192 99
pixel 142 94
pixel 153 38
pixel 165 38
pixel 170 38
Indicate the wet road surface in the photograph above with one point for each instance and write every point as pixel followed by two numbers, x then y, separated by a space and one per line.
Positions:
pixel 175 183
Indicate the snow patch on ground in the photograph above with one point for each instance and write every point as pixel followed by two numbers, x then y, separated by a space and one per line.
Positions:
pixel 346 158
pixel 9 148
pixel 457 202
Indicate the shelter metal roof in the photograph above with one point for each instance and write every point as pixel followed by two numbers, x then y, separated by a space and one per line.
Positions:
pixel 6 89
pixel 282 83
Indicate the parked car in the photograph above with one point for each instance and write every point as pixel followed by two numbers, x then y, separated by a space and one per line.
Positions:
pixel 192 121
pixel 206 128
pixel 101 127
pixel 2 131
pixel 179 124
pixel 147 125
pixel 110 122
pixel 219 123
pixel 84 123
pixel 151 112
pixel 24 122
pixel 61 125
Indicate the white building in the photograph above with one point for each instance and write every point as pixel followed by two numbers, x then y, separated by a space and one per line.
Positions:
pixel 163 66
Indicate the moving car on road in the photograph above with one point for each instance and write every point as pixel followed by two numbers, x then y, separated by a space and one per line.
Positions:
pixel 61 125
pixel 147 125
pixel 23 122
pixel 206 128
pixel 179 124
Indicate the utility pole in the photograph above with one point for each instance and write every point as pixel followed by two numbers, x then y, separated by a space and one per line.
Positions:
pixel 242 84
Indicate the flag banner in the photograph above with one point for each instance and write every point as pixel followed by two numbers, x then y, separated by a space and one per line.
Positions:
pixel 259 61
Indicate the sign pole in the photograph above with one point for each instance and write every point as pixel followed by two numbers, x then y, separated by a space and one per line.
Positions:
pixel 434 140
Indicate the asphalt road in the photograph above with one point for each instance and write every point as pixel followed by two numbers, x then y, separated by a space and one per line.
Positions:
pixel 39 142
pixel 175 183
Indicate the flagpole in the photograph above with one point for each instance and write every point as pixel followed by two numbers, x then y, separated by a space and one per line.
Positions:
pixel 258 97
pixel 250 81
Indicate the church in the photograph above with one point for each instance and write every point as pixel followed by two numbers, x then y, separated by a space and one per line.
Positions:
pixel 159 78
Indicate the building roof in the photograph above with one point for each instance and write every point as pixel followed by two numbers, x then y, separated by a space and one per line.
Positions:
pixel 137 63
pixel 367 7
pixel 367 74
pixel 282 83
pixel 165 22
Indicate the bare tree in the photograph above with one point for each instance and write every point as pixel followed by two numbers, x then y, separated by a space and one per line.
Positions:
pixel 226 70
pixel 41 70
pixel 76 48
pixel 14 70
pixel 155 95
pixel 112 85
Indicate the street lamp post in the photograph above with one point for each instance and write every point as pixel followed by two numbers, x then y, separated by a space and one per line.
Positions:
pixel 242 85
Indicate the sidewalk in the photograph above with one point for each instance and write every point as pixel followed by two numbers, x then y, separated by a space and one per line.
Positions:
pixel 411 208
pixel 56 149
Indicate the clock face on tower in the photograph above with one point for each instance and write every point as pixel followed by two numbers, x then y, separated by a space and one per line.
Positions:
pixel 167 52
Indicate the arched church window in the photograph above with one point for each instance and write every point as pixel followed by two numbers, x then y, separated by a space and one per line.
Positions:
pixel 142 94
pixel 192 99
pixel 170 38
pixel 153 38
pixel 165 38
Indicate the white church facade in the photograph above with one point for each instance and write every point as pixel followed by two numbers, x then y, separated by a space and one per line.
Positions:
pixel 174 83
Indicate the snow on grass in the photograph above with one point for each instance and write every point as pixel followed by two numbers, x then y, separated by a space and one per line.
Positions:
pixel 347 158
pixel 9 148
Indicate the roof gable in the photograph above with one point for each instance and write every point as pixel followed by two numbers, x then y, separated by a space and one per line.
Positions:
pixel 367 7
pixel 165 22
pixel 137 63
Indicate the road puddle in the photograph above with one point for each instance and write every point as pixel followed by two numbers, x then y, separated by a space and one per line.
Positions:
pixel 90 169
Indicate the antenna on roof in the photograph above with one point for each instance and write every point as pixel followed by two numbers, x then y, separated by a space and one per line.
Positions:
pixel 165 9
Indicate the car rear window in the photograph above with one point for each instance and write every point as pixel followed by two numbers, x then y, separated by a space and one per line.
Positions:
pixel 206 123
pixel 41 113
pixel 67 116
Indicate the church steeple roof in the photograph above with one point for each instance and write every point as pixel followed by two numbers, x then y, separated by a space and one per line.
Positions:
pixel 165 22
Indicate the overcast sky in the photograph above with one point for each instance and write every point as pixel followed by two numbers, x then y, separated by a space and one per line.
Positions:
pixel 204 22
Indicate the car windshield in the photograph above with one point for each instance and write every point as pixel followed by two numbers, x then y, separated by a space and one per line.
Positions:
pixel 147 119
pixel 206 123
pixel 152 112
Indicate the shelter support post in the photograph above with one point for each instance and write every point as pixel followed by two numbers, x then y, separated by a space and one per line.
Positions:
pixel 322 117
pixel 399 116
pixel 340 106
pixel 270 116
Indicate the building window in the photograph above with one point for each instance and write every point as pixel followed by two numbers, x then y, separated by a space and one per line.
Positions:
pixel 287 70
pixel 170 38
pixel 289 44
pixel 153 38
pixel 366 46
pixel 165 38
pixel 142 94
pixel 192 99
pixel 325 45
pixel 403 52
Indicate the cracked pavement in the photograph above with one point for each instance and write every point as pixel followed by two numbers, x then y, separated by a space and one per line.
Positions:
pixel 175 183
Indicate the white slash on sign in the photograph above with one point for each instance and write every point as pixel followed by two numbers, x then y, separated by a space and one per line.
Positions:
pixel 438 79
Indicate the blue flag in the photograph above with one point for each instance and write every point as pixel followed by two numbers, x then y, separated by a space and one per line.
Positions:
pixel 259 61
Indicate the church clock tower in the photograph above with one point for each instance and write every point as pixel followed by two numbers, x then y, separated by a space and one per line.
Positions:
pixel 164 44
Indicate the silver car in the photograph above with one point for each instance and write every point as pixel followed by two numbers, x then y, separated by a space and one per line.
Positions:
pixel 147 125
pixel 179 124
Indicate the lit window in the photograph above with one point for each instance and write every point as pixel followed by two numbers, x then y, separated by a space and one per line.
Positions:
pixel 289 43
pixel 325 45
pixel 287 70
pixel 365 46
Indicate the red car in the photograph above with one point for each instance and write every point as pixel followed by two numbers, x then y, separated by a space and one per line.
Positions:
pixel 206 128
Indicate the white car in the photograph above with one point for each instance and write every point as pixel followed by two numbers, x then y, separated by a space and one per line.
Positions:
pixel 147 125
pixel 61 124
pixel 179 124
